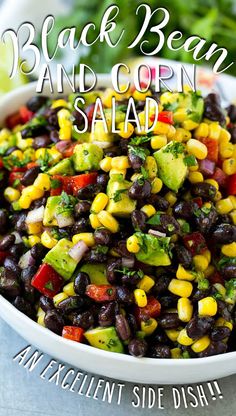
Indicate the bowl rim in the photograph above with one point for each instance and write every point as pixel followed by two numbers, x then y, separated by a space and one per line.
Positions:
pixel 25 92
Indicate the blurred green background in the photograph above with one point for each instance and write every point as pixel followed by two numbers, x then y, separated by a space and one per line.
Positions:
pixel 214 20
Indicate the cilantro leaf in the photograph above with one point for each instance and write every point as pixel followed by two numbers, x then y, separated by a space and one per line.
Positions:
pixel 138 151
pixel 175 148
pixel 190 160
pixel 117 194
pixel 136 141
pixel 155 219
pixel 55 183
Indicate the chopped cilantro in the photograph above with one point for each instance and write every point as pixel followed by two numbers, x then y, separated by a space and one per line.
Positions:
pixel 49 285
pixel 101 249
pixel 136 141
pixel 225 261
pixel 127 272
pixel 203 284
pixel 190 160
pixel 117 194
pixel 66 204
pixel 44 161
pixel 16 183
pixel 138 151
pixel 55 183
pixel 155 219
pixel 171 106
pixel 175 148
pixel 121 107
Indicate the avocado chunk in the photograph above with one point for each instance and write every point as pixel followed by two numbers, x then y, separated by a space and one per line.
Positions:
pixel 153 250
pixel 49 218
pixel 119 205
pixel 96 272
pixel 194 104
pixel 64 167
pixel 104 339
pixel 172 169
pixel 60 260
pixel 87 156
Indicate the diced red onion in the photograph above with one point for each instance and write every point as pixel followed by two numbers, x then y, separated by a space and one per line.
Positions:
pixel 128 262
pixel 62 145
pixel 156 233
pixel 18 239
pixel 35 216
pixel 78 251
pixel 207 167
pixel 64 221
pixel 26 260
pixel 102 145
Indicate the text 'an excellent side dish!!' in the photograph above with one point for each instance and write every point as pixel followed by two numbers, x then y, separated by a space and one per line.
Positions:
pixel 124 241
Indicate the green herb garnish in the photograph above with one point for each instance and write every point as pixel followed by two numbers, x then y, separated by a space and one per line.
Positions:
pixel 190 160
pixel 117 195
pixel 136 141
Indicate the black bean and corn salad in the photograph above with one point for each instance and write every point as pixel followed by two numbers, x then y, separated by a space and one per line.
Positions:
pixel 124 241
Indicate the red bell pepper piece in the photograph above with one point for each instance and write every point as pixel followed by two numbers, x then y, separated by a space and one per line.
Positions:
pixel 1 163
pixel 18 169
pixel 195 243
pixel 69 151
pixel 101 293
pixel 198 201
pixel 3 255
pixel 25 114
pixel 212 148
pixel 13 120
pixel 74 333
pixel 231 184
pixel 57 185
pixel 164 117
pixel 151 310
pixel 220 177
pixel 80 181
pixel 14 176
pixel 31 165
pixel 47 281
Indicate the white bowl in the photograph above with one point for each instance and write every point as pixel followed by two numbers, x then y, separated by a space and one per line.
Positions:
pixel 119 366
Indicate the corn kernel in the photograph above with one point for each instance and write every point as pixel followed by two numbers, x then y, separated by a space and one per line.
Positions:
pixel 59 298
pixel 207 306
pixel 226 150
pixel 105 164
pixel 224 136
pixel 207 254
pixel 32 192
pixel 222 322
pixel 132 244
pixel 189 125
pixel 18 154
pixel 159 141
pixel 55 155
pixel 214 131
pixel 140 298
pixel 224 206
pixel 172 334
pixel 34 228
pixel 161 128
pixel 180 288
pixel 233 200
pixel 213 183
pixel 218 196
pixel 40 153
pixel 120 162
pixel 59 103
pixel 25 201
pixel 229 250
pixel 180 115
pixel 171 132
pixel 195 177
pixel 175 353
pixel 141 96
pixel 201 344
pixel 117 172
pixel 233 216
pixel 40 319
pixel 185 309
pixel 229 166
pixel 146 283
pixel 148 327
pixel 47 240
pixel 125 131
pixel 34 239
pixel 151 167
pixel 184 339
pixel 149 210
pixel 69 289
pixel 63 117
pixel 11 194
pixel 43 182
pixel 88 239
pixel 183 274
pixel 196 148
pixel 156 185
pixel 65 132
pixel 108 221
pixel 94 221
pixel 201 131
pixel 99 203
pixel 171 198
pixel 200 262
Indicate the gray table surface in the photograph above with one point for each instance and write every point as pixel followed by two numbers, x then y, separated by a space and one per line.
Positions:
pixel 24 392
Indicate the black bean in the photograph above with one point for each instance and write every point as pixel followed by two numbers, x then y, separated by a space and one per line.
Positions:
pixel 46 304
pixel 9 285
pixel 168 225
pixel 80 226
pixel 197 327
pixel 24 306
pixel 41 141
pixel 159 337
pixel 70 304
pixel 108 313
pixel 3 221
pixel 38 252
pixel 122 327
pixel 102 180
pixel 111 270
pixel 204 190
pixel 123 295
pixel 28 273
pixel 20 224
pixel 78 118
pixel 140 190
pixel 205 221
pixel 81 208
pixel 30 175
pixel 200 294
pixel 95 256
pixel 135 161
pixel 224 234
pixel 121 249
pixel 6 242
pixel 231 110
pixel 89 191
pixel 38 203
pixel 220 333
pixel 132 323
pixel 222 310
pixel 130 280
pixel 36 102
pixel 54 136
pixel 137 347
pixel 32 131
pixel 168 301
pixel 232 131
pixel 54 321
pixel 169 321
pixel 10 150
pixel 184 209
pixel 159 351
pixel 11 264
pixel 102 236
pixel 214 348
pixel 138 219
pixel 161 285
pixel 84 320
pixel 82 280
pixel 123 145
pixel 182 255
pixel 229 271
pixel 213 110
pixel 160 203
